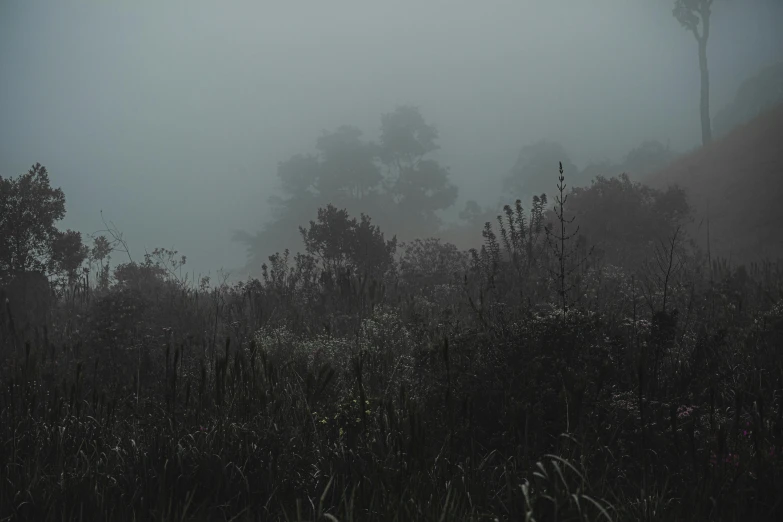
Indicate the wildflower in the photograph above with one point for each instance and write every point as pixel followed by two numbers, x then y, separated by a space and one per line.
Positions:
pixel 732 458
pixel 683 412
pixel 729 459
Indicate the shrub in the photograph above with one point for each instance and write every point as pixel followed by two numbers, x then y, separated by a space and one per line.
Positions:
pixel 340 243
pixel 622 218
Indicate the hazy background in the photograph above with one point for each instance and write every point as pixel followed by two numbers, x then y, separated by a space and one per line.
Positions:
pixel 172 116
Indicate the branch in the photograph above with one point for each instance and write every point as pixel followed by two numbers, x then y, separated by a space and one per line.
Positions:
pixel 686 15
pixel 116 236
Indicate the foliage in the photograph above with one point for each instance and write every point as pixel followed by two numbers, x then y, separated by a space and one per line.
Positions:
pixel 535 416
pixel 418 186
pixel 431 262
pixel 29 208
pixel 647 158
pixel 347 169
pixel 474 215
pixel 27 300
pixel 650 393
pixel 101 254
pixel 621 217
pixel 101 248
pixel 510 265
pixel 406 137
pixel 68 253
pixel 344 243
pixel 136 274
pixel 394 179
pixel 605 168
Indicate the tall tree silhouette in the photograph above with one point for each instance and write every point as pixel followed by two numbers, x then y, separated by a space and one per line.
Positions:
pixel 694 15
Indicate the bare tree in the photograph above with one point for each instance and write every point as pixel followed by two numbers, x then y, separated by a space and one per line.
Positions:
pixel 694 15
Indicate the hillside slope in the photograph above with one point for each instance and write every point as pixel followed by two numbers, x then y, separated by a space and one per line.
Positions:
pixel 736 182
pixel 757 94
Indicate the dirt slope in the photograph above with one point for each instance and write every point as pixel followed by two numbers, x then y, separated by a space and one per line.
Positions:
pixel 737 181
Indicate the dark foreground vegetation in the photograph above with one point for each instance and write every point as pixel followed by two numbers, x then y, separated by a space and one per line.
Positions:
pixel 611 374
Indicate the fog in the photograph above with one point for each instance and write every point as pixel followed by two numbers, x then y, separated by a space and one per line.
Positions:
pixel 171 117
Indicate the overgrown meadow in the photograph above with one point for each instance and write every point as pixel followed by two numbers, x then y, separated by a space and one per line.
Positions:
pixel 555 374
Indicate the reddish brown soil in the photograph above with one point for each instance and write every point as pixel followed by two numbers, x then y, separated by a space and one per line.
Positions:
pixel 736 183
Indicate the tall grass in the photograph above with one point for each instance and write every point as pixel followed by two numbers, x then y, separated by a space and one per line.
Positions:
pixel 501 394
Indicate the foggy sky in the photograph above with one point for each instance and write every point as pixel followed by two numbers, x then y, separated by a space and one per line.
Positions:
pixel 171 116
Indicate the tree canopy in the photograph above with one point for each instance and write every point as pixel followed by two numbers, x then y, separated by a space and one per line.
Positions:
pixel 394 180
pixel 29 208
pixel 648 215
pixel 339 242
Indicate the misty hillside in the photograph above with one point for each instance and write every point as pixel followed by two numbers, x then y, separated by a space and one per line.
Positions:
pixel 757 94
pixel 357 261
pixel 736 184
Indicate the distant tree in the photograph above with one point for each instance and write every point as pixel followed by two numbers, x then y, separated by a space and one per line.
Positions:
pixel 344 172
pixel 299 176
pixel 348 170
pixel 648 157
pixel 475 216
pixel 393 180
pixel 604 168
pixel 694 15
pixel 406 137
pixel 418 186
pixel 430 261
pixel 535 171
pixel 29 208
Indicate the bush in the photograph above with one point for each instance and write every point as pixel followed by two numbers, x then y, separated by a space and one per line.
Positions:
pixel 341 243
pixel 623 219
